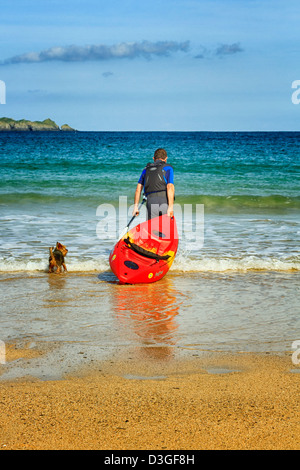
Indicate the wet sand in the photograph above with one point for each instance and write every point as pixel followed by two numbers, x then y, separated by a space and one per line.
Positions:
pixel 210 401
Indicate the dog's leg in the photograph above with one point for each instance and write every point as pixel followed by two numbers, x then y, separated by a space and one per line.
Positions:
pixel 52 261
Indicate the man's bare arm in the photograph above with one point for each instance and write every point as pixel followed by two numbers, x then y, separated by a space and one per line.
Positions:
pixel 137 197
pixel 171 194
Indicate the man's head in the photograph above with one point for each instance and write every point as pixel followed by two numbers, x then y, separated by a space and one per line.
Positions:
pixel 160 154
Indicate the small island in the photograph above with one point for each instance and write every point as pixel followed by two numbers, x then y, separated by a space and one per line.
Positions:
pixel 8 124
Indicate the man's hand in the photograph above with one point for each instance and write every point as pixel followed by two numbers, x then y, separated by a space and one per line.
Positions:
pixel 136 211
pixel 170 212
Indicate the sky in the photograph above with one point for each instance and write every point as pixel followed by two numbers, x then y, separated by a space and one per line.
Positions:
pixel 140 65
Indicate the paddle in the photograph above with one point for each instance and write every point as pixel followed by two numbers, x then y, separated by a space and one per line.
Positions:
pixel 133 217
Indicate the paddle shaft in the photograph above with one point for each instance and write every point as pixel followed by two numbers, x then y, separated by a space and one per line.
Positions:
pixel 133 217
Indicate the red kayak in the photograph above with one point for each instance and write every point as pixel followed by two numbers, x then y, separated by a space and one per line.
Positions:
pixel 147 251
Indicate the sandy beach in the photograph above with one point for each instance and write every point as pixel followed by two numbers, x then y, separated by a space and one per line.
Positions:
pixel 212 401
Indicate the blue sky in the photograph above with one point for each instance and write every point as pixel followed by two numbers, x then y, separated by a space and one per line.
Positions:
pixel 211 65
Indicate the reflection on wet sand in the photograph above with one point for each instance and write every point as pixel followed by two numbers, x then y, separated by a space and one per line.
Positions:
pixel 56 281
pixel 148 311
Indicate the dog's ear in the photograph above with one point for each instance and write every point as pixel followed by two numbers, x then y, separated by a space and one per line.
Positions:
pixel 58 245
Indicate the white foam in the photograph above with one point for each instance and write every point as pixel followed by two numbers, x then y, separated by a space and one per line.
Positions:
pixel 247 263
pixel 12 265
pixel 41 266
pixel 99 264
pixel 182 263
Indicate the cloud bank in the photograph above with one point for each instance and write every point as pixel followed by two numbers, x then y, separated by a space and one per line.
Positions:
pixel 125 50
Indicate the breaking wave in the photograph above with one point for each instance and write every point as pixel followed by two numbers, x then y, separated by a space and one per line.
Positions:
pixel 212 203
pixel 181 264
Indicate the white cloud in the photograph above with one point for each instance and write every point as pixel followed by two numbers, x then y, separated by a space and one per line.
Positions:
pixel 129 50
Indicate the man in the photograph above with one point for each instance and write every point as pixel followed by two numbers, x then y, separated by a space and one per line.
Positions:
pixel 157 180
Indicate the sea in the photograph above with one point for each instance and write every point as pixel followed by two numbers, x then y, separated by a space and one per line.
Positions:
pixel 234 284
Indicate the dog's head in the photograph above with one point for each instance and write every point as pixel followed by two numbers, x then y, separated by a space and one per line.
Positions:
pixel 61 248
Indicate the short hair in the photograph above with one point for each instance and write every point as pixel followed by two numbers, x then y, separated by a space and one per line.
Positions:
pixel 160 154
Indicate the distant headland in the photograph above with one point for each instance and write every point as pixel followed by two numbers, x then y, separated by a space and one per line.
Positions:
pixel 8 124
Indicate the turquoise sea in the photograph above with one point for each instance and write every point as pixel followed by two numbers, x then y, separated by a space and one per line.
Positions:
pixel 52 184
pixel 77 188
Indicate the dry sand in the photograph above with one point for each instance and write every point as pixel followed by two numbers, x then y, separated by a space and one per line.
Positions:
pixel 214 401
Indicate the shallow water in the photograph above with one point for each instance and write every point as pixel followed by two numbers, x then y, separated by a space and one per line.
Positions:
pixel 91 317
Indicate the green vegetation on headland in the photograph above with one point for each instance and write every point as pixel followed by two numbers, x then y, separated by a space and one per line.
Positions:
pixel 8 124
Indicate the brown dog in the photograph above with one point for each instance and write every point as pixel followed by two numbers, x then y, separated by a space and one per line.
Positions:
pixel 57 258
